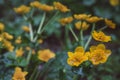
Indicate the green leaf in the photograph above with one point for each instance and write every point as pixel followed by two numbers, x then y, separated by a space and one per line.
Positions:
pixel 22 62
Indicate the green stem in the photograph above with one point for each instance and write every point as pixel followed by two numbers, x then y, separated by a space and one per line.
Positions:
pixel 67 39
pixel 40 26
pixel 31 32
pixel 102 28
pixel 33 74
pixel 90 37
pixel 81 38
pixel 30 28
pixel 87 43
pixel 36 76
pixel 50 21
pixel 76 38
pixel 28 58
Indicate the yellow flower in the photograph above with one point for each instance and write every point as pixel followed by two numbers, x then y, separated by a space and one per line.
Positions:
pixel 110 24
pixel 44 7
pixel 81 16
pixel 45 55
pixel 27 48
pixel 77 58
pixel 26 29
pixel 19 74
pixel 66 20
pixel 100 36
pixel 18 40
pixel 7 36
pixel 81 25
pixel 40 41
pixel 93 19
pixel 98 54
pixel 35 4
pixel 61 7
pixel 19 52
pixel 7 44
pixel 114 2
pixel 2 26
pixel 22 9
pixel 1 38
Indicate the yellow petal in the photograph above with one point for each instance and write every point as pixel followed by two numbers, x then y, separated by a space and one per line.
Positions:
pixel 101 46
pixel 79 49
pixel 70 54
pixel 92 48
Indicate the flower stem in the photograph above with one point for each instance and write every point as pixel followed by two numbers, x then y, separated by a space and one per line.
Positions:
pixel 40 26
pixel 28 57
pixel 33 74
pixel 90 37
pixel 102 28
pixel 31 32
pixel 67 39
pixel 76 38
pixel 81 38
pixel 41 23
pixel 50 21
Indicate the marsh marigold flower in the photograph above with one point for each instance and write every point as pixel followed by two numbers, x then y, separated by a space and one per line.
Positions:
pixel 19 52
pixel 114 2
pixel 44 7
pixel 40 41
pixel 81 16
pixel 27 48
pixel 7 36
pixel 100 36
pixel 1 38
pixel 81 25
pixel 45 55
pixel 77 58
pixel 18 40
pixel 8 45
pixel 2 26
pixel 98 54
pixel 60 7
pixel 19 74
pixel 35 4
pixel 93 19
pixel 25 28
pixel 22 9
pixel 110 24
pixel 66 20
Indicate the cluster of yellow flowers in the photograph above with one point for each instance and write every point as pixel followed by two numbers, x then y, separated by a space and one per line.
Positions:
pixel 36 4
pixel 5 38
pixel 97 54
pixel 84 20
